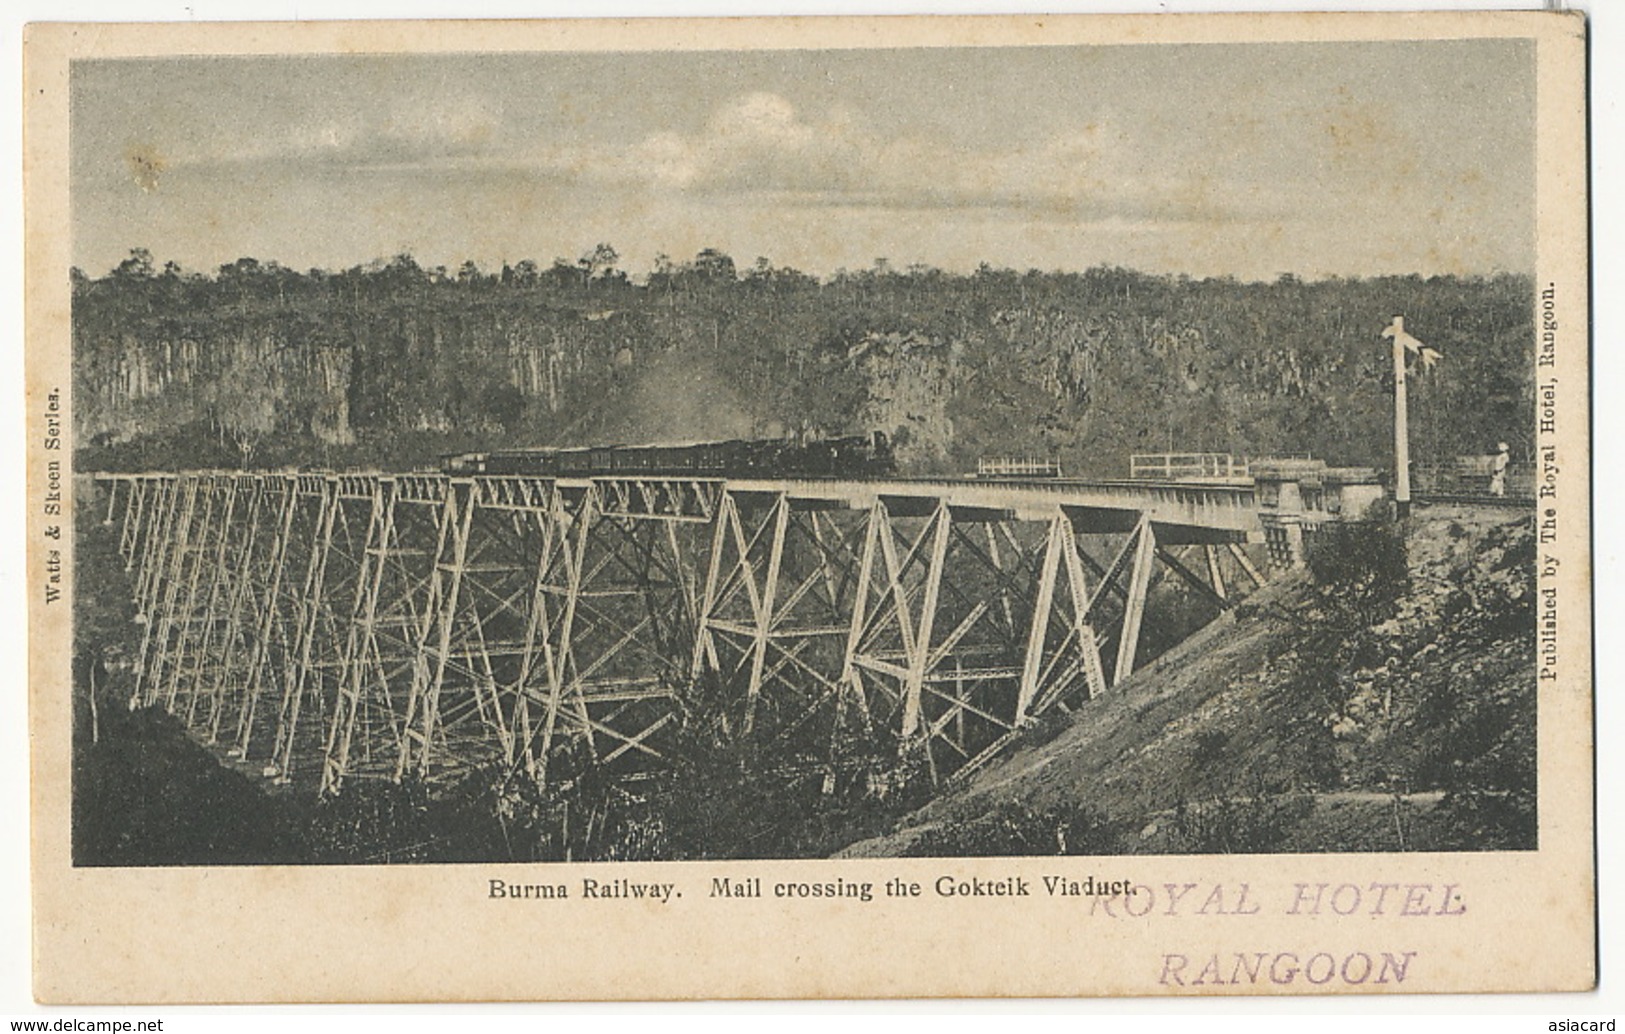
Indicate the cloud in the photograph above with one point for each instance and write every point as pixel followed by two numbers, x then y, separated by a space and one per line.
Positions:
pixel 428 136
pixel 759 149
pixel 757 143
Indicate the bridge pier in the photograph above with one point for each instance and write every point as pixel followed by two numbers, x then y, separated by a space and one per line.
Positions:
pixel 775 611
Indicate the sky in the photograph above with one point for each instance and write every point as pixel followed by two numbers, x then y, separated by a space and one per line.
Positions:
pixel 1247 160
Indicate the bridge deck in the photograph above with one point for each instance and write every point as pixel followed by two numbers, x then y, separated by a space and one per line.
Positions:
pixel 1181 512
pixel 1178 510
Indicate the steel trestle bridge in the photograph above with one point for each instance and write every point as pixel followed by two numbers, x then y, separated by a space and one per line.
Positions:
pixel 334 627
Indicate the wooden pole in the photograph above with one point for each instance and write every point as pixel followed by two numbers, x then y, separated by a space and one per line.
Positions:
pixel 1402 444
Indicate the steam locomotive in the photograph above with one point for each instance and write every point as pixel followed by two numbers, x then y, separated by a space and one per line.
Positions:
pixel 853 456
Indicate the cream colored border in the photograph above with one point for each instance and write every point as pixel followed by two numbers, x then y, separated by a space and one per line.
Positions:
pixel 428 933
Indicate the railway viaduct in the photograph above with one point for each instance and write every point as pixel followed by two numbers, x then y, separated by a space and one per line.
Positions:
pixel 332 627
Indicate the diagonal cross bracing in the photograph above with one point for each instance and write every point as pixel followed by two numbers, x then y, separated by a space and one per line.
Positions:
pixel 337 627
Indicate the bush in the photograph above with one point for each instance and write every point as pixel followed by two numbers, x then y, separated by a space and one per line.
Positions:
pixel 1015 829
pixel 1209 747
pixel 1361 567
pixel 1252 825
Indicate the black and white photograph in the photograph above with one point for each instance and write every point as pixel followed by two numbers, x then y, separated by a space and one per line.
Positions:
pixel 556 461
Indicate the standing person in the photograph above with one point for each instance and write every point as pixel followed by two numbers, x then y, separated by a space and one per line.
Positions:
pixel 1498 470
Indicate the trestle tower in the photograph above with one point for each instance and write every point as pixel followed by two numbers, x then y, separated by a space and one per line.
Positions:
pixel 333 627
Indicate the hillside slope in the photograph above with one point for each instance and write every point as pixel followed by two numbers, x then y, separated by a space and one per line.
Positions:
pixel 1354 706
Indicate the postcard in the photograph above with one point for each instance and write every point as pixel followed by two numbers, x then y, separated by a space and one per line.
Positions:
pixel 784 508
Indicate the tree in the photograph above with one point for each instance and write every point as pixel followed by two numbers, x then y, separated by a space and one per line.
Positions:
pixel 714 267
pixel 138 266
pixel 597 263
pixel 404 269
pixel 663 277
pixel 561 274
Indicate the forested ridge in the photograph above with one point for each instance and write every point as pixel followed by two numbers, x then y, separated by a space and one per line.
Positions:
pixel 389 364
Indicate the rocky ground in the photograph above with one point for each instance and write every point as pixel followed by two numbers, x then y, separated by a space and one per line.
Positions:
pixel 1381 700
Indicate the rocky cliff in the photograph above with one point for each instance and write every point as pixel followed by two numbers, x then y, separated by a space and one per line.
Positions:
pixel 388 366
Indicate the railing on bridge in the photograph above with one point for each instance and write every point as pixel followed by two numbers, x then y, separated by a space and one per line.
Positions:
pixel 1018 468
pixel 1189 466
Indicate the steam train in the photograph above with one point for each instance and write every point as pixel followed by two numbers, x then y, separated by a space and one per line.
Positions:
pixel 853 456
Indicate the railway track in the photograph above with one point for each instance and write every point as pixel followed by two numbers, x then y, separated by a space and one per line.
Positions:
pixel 1500 502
